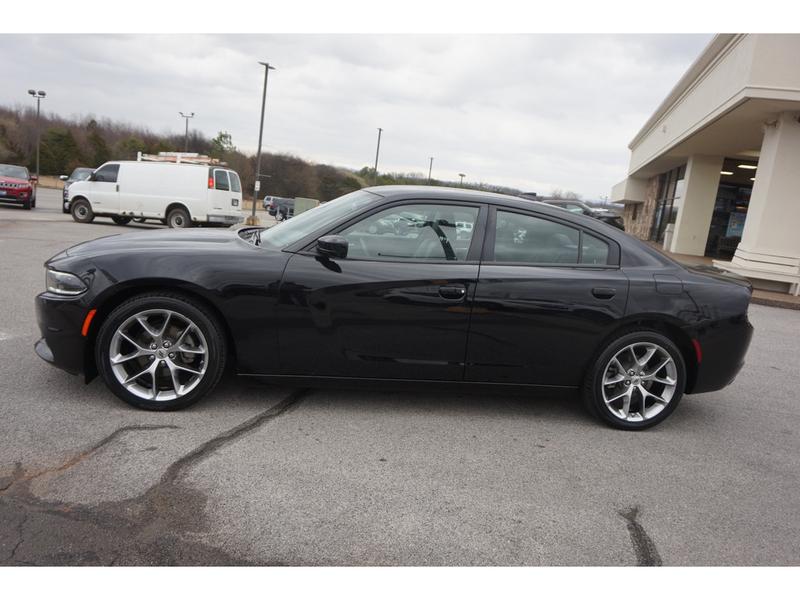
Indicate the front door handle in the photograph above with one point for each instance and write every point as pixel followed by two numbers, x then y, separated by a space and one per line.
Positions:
pixel 453 292
pixel 604 293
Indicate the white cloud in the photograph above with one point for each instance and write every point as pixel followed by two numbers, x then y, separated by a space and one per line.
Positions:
pixel 530 111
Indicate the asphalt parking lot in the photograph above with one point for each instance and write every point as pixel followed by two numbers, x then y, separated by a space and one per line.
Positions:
pixel 258 474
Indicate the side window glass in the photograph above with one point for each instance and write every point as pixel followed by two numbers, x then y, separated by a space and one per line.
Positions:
pixel 221 180
pixel 416 232
pixel 527 239
pixel 594 251
pixel 107 173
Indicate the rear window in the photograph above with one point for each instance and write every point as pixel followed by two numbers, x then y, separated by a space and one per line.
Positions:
pixel 221 180
pixel 236 185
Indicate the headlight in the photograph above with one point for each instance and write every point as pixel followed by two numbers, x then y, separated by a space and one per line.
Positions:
pixel 65 284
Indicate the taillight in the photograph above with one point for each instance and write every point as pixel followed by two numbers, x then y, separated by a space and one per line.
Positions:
pixel 211 183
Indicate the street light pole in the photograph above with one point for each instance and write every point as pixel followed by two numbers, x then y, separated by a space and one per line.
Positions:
pixel 257 186
pixel 430 169
pixel 377 152
pixel 38 95
pixel 462 175
pixel 186 135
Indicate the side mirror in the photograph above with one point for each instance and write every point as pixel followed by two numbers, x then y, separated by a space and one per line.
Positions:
pixel 63 177
pixel 34 179
pixel 334 246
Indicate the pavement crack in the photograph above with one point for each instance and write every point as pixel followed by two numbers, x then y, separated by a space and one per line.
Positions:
pixel 644 547
pixel 20 476
pixel 21 537
pixel 177 468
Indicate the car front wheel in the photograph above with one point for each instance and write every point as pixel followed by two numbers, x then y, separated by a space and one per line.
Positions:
pixel 637 381
pixel 161 351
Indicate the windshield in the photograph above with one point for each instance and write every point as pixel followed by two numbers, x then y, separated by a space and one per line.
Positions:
pixel 80 174
pixel 13 171
pixel 296 228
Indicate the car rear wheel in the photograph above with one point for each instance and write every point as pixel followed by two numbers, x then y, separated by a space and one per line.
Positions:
pixel 161 351
pixel 82 211
pixel 121 220
pixel 637 381
pixel 178 218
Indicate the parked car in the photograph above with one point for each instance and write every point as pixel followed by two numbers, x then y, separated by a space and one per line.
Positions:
pixel 78 174
pixel 17 186
pixel 179 194
pixel 536 298
pixel 581 208
pixel 280 208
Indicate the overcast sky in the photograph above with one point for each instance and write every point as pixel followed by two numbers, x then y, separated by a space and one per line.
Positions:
pixel 535 112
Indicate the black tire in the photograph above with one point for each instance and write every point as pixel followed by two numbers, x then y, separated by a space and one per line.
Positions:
pixel 26 204
pixel 33 202
pixel 279 216
pixel 185 308
pixel 593 383
pixel 119 220
pixel 81 211
pixel 178 218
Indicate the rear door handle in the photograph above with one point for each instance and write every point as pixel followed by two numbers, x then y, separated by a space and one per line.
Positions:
pixel 453 292
pixel 604 293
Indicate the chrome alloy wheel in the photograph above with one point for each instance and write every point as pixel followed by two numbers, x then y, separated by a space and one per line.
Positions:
pixel 158 355
pixel 639 381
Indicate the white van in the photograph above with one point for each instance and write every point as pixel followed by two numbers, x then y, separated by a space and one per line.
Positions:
pixel 178 194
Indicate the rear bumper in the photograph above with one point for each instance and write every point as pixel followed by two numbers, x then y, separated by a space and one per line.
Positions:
pixel 226 219
pixel 723 347
pixel 61 344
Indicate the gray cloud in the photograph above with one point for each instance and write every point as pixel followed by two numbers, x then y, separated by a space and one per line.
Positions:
pixel 531 111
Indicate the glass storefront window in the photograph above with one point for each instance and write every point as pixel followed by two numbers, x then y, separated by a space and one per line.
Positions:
pixel 669 200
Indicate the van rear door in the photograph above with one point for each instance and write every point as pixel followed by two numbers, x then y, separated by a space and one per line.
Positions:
pixel 226 192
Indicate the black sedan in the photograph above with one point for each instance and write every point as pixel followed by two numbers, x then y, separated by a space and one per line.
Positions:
pixel 467 288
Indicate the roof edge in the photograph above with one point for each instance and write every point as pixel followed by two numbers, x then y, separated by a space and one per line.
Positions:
pixel 717 46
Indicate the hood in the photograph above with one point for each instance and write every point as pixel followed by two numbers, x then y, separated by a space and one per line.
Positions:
pixel 195 239
pixel 6 179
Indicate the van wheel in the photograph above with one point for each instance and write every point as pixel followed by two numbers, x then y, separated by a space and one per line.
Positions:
pixel 121 220
pixel 279 216
pixel 82 211
pixel 178 218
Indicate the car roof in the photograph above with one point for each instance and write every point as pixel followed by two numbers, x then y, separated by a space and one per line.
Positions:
pixel 432 192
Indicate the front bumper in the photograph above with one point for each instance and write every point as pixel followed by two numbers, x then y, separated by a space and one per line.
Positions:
pixel 14 197
pixel 60 321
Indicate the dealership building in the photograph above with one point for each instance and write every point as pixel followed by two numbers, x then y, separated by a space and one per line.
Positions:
pixel 715 171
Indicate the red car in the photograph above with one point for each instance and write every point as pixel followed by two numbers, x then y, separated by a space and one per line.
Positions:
pixel 17 186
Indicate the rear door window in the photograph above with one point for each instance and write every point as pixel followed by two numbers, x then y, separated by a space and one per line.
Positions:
pixel 221 180
pixel 527 239
pixel 236 185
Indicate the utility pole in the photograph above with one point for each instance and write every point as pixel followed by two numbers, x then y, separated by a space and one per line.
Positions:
pixel 430 169
pixel 461 184
pixel 377 152
pixel 186 135
pixel 38 95
pixel 257 186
